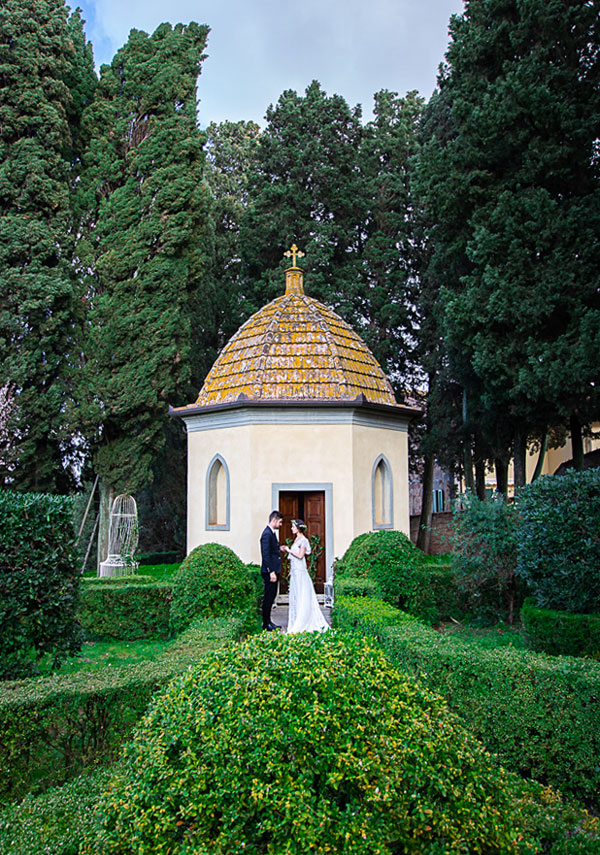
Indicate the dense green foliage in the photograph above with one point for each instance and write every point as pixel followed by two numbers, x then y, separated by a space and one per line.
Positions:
pixel 559 632
pixel 539 714
pixel 509 177
pixel 55 822
pixel 39 582
pixel 127 608
pixel 485 539
pixel 346 768
pixel 46 78
pixel 53 727
pixel 559 547
pixel 385 563
pixel 211 581
pixel 340 191
pixel 143 204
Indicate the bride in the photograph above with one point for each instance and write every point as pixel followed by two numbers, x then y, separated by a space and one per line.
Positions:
pixel 305 614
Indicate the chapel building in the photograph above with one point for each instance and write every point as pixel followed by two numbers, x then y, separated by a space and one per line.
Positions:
pixel 296 414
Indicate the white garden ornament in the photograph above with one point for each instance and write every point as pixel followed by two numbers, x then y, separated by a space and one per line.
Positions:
pixel 122 538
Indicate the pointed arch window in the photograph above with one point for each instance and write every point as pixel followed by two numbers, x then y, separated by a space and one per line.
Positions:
pixel 217 494
pixel 382 493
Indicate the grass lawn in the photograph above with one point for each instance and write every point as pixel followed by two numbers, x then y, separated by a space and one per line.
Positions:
pixel 486 638
pixel 106 654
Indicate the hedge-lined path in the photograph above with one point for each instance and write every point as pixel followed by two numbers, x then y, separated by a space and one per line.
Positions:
pixel 280 615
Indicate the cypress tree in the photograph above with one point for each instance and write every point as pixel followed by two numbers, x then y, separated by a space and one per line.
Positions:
pixel 341 192
pixel 38 118
pixel 231 154
pixel 306 189
pixel 146 205
pixel 510 176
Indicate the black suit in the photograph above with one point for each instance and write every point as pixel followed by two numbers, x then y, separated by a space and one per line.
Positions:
pixel 271 563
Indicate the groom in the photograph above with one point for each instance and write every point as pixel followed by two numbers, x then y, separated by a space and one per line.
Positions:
pixel 270 567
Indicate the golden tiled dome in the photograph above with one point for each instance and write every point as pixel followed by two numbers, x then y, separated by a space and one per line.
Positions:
pixel 295 348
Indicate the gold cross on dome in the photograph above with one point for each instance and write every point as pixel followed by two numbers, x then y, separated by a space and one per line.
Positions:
pixel 292 253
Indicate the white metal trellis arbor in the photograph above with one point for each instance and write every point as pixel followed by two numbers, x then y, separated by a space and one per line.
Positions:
pixel 122 538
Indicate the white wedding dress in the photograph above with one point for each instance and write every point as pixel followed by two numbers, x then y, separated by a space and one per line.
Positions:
pixel 305 614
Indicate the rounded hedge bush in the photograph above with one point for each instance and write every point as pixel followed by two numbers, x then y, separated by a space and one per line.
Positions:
pixel 212 581
pixel 306 743
pixel 559 546
pixel 389 558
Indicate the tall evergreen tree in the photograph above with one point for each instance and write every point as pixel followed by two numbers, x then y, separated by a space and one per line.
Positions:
pixel 510 175
pixel 384 308
pixel 141 242
pixel 231 154
pixel 340 191
pixel 40 58
pixel 306 189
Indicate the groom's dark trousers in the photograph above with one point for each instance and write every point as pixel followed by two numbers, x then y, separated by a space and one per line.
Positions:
pixel 271 563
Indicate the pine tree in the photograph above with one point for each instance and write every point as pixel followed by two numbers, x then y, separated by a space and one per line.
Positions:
pixel 145 206
pixel 38 121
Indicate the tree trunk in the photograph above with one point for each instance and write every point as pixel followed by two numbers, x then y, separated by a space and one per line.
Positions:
pixel 107 497
pixel 541 457
pixel 576 442
pixel 479 468
pixel 467 454
pixel 424 535
pixel 501 467
pixel 520 452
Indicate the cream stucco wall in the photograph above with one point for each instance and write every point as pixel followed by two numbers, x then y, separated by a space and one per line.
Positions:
pixel 259 456
pixel 368 444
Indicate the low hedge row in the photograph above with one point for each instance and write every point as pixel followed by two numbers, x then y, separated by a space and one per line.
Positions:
pixel 51 728
pixel 387 565
pixel 56 821
pixel 558 632
pixel 539 714
pixel 128 608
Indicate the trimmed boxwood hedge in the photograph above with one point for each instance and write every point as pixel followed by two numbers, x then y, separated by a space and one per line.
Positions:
pixel 53 727
pixel 39 582
pixel 387 564
pixel 559 632
pixel 212 581
pixel 127 608
pixel 54 822
pixel 540 714
pixel 307 743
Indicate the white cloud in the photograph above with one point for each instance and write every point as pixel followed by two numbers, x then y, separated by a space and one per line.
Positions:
pixel 259 48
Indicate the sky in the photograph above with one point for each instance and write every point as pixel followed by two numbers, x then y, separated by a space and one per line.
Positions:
pixel 259 48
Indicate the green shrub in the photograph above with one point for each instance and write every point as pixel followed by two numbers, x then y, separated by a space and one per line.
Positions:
pixel 306 743
pixel 39 582
pixel 356 586
pixel 558 632
pixel 347 565
pixel 559 545
pixel 53 727
pixel 540 714
pixel 386 564
pixel 127 608
pixel 55 822
pixel 386 556
pixel 211 581
pixel 484 538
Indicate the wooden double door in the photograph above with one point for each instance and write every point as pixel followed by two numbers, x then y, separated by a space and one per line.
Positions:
pixel 310 507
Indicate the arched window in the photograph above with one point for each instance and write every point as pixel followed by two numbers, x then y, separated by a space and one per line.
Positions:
pixel 382 493
pixel 217 494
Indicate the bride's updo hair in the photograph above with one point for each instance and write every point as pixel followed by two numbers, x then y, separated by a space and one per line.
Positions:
pixel 300 525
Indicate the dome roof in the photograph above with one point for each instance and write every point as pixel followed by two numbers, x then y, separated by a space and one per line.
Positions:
pixel 295 348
